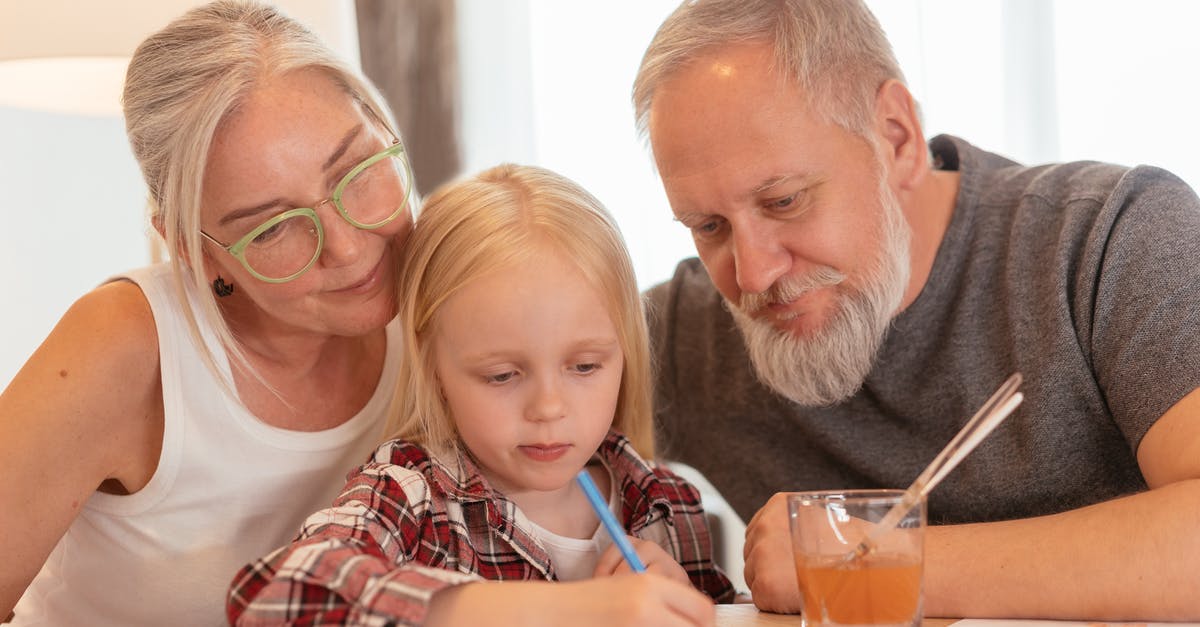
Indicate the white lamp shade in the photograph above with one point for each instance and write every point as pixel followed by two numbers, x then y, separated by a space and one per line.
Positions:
pixel 69 56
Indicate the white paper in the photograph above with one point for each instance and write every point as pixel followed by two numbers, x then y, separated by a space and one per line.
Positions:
pixel 1011 622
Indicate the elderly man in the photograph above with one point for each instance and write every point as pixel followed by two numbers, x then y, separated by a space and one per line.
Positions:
pixel 856 300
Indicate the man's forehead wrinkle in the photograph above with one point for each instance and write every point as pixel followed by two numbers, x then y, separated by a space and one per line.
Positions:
pixel 770 183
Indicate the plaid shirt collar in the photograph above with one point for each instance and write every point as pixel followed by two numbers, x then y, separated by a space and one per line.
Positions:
pixel 457 474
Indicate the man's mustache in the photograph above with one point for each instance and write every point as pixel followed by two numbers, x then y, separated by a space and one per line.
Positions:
pixel 789 288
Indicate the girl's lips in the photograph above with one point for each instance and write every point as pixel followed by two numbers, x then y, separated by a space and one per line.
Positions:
pixel 544 452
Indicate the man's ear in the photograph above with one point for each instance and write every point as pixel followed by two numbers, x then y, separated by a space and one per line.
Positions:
pixel 898 126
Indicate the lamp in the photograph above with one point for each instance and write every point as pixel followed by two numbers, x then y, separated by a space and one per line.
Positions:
pixel 70 56
pixel 74 199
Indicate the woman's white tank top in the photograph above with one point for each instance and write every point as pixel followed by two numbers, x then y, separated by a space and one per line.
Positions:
pixel 228 489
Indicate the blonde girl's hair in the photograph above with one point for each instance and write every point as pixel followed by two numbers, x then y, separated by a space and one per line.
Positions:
pixel 182 82
pixel 835 50
pixel 501 216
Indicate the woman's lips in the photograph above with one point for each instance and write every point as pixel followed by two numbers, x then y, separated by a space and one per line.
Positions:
pixel 367 283
pixel 544 452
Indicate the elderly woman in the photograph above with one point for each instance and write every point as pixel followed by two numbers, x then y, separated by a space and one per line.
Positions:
pixel 183 418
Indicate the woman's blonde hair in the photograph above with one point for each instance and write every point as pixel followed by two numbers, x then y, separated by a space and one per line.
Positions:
pixel 182 82
pixel 498 217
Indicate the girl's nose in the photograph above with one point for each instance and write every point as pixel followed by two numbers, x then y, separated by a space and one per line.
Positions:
pixel 547 402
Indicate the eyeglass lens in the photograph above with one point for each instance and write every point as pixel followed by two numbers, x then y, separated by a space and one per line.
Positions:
pixel 372 198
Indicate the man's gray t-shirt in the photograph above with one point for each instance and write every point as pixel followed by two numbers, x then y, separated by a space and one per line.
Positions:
pixel 1084 277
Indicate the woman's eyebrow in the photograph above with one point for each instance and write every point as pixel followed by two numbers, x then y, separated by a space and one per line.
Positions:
pixel 234 216
pixel 343 146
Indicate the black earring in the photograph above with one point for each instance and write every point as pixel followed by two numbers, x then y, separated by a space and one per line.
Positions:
pixel 222 288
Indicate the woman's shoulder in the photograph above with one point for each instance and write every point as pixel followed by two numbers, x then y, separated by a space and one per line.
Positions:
pixel 92 388
pixel 118 319
pixel 104 353
pixel 113 338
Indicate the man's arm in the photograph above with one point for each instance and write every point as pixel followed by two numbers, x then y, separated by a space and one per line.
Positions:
pixel 1133 558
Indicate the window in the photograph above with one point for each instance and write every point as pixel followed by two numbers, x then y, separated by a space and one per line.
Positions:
pixel 1035 80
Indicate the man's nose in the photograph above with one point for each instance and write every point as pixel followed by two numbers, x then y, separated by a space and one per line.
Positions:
pixel 759 258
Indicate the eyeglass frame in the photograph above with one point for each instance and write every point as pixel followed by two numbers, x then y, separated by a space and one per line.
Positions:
pixel 238 248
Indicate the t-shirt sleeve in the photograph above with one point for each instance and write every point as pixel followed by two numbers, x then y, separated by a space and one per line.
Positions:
pixel 1145 321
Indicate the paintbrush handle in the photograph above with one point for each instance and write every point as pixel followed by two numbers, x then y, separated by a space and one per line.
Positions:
pixel 990 415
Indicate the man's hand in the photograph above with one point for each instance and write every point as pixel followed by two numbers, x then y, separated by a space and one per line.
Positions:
pixel 770 569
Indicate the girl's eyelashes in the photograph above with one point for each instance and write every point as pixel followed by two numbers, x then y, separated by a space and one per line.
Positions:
pixel 501 377
pixel 581 368
pixel 586 368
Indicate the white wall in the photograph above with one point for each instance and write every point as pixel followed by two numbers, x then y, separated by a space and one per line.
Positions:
pixel 73 207
pixel 1131 87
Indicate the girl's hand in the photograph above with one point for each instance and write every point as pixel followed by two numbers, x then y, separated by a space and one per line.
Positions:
pixel 653 556
pixel 627 599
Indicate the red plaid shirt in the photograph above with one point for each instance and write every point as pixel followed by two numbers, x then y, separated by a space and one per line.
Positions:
pixel 409 524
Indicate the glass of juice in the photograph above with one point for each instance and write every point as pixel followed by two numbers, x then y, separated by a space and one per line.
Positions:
pixel 880 586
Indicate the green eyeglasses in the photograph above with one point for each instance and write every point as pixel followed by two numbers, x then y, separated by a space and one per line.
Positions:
pixel 371 195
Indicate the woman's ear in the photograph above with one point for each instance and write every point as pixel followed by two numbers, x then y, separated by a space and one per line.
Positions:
pixel 163 246
pixel 898 127
pixel 156 221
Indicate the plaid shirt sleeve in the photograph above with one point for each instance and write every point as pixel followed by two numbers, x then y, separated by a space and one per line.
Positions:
pixel 352 563
pixel 688 538
pixel 662 507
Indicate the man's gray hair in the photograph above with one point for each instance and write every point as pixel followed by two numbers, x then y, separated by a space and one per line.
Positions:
pixel 835 50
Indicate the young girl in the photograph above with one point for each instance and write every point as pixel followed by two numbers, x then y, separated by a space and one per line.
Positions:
pixel 526 361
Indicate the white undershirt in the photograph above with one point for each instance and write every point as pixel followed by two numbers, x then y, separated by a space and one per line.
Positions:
pixel 575 558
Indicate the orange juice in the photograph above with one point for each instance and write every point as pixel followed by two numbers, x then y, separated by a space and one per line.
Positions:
pixel 879 589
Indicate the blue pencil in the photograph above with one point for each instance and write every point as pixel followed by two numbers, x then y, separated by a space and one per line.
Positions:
pixel 609 521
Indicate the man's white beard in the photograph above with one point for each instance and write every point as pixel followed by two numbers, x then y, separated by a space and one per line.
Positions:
pixel 831 364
